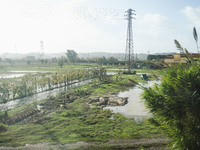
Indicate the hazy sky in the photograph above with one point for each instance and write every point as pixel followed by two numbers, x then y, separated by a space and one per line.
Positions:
pixel 97 25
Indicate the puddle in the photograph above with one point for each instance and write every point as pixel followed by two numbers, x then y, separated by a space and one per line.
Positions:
pixel 135 107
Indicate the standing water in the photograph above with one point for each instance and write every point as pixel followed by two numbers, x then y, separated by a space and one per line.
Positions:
pixel 135 107
pixel 39 96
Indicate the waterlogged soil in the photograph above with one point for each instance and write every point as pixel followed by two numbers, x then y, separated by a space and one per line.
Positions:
pixel 39 96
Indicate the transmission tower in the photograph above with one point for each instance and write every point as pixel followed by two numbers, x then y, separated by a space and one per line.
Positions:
pixel 41 53
pixel 129 54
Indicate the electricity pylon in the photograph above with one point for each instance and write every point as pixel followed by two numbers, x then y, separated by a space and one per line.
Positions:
pixel 129 54
pixel 41 52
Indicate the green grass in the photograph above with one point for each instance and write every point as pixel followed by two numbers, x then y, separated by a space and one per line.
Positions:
pixel 22 66
pixel 94 125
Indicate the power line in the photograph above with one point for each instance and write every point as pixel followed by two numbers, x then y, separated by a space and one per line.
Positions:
pixel 49 10
pixel 67 12
pixel 164 30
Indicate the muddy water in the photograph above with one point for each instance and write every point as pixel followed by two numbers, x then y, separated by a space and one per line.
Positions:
pixel 135 107
pixel 37 97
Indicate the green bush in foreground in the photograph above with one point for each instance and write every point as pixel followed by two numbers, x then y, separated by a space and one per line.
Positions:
pixel 175 104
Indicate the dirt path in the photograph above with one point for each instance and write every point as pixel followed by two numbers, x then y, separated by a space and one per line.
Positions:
pixel 153 144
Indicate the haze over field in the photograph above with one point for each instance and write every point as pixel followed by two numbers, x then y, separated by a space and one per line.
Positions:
pixel 96 25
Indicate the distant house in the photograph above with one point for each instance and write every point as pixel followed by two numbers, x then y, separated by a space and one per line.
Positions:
pixel 177 58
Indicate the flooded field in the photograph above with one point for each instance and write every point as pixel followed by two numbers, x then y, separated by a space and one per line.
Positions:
pixel 135 107
pixel 39 96
pixel 7 76
pixel 16 74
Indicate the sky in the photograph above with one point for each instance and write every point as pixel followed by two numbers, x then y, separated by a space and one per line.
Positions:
pixel 97 25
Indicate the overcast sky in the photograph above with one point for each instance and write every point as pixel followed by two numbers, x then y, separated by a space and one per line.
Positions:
pixel 96 25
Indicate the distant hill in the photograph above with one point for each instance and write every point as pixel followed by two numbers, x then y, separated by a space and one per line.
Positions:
pixel 19 56
pixel 119 56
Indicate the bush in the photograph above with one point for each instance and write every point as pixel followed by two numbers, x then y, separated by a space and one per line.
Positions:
pixel 3 127
pixel 175 104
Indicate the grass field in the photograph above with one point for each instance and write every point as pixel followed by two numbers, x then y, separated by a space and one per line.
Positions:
pixel 79 120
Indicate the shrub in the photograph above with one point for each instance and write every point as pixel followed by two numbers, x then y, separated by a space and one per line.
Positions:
pixel 3 127
pixel 175 103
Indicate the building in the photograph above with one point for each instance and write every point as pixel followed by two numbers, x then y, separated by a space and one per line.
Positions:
pixel 180 58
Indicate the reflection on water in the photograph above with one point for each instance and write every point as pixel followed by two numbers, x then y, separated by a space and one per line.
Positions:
pixel 28 71
pixel 135 107
pixel 37 97
pixel 7 76
pixel 15 74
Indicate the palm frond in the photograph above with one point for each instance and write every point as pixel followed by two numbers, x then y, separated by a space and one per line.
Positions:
pixel 195 34
pixel 188 56
pixel 196 38
pixel 178 46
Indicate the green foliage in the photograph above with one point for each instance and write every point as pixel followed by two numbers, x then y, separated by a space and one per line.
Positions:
pixel 176 102
pixel 195 34
pixel 81 91
pixel 72 56
pixel 112 61
pixel 3 127
pixel 151 57
pixel 31 84
pixel 72 126
pixel 178 46
pixel 152 64
pixel 61 62
pixel 3 116
pixel 196 38
pixel 184 51
pixel 106 61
